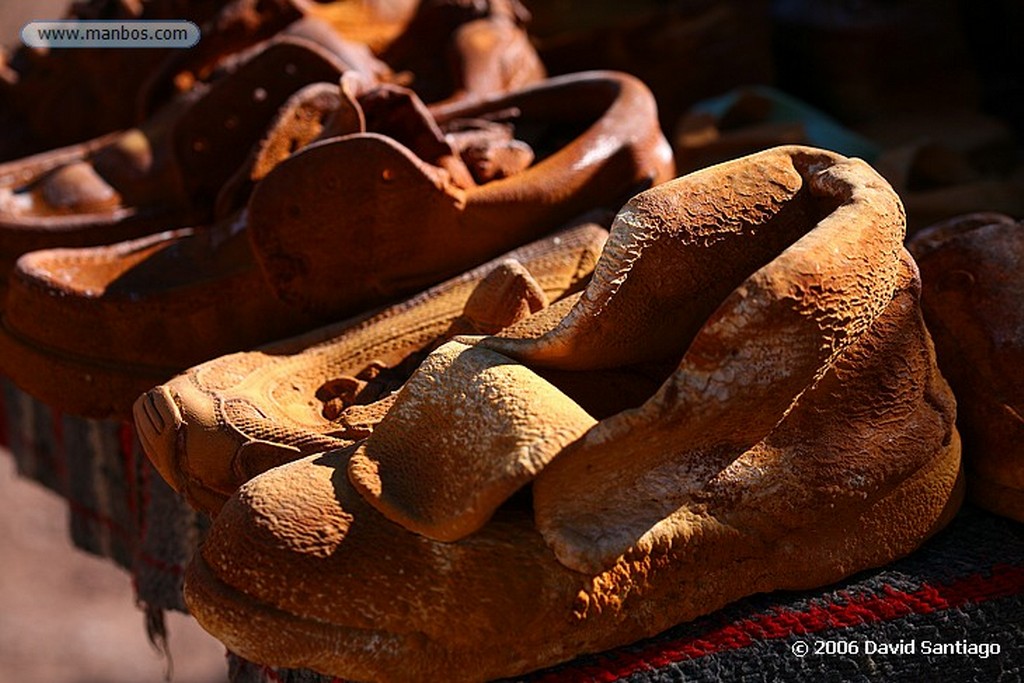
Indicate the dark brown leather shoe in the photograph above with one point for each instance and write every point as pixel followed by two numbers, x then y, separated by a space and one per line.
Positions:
pixel 972 269
pixel 164 175
pixel 343 226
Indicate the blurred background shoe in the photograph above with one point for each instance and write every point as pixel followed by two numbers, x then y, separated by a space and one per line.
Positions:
pixel 752 119
pixel 973 302
pixel 163 175
pixel 684 50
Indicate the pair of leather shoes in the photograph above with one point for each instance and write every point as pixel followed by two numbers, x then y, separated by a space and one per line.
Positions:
pixel 743 399
pixel 172 169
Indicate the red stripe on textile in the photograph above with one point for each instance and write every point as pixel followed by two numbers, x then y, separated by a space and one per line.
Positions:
pixel 144 496
pixel 82 510
pixel 5 430
pixel 57 419
pixel 60 457
pixel 1004 580
pixel 270 674
pixel 160 565
pixel 126 439
pixel 141 496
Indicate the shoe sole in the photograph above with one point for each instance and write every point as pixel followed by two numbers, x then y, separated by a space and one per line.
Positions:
pixel 927 501
pixel 105 383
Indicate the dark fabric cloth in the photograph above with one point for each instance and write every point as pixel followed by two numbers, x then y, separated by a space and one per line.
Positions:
pixel 119 506
pixel 966 585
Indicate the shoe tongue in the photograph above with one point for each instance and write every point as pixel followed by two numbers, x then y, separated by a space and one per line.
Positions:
pixel 321 111
pixel 508 294
pixel 489 148
pixel 469 429
pixel 348 117
pixel 316 112
pixel 399 113
pixel 215 136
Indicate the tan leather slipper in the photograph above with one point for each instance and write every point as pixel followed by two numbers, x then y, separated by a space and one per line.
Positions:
pixel 490 525
pixel 973 301
pixel 221 423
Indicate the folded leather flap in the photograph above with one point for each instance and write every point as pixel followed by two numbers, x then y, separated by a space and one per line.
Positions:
pixel 467 431
pixel 677 251
pixel 357 192
pixel 213 137
pixel 753 355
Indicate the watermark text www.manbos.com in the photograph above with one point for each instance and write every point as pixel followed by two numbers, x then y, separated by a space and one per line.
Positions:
pixel 963 648
pixel 69 33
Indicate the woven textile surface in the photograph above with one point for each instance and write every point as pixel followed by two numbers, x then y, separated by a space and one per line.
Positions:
pixel 119 506
pixel 953 610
